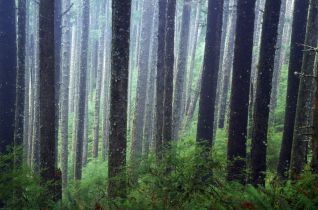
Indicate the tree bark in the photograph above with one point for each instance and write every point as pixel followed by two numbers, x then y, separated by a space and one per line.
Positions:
pixel 82 92
pixel 303 120
pixel 210 74
pixel 236 152
pixel 121 11
pixel 182 64
pixel 263 90
pixel 296 54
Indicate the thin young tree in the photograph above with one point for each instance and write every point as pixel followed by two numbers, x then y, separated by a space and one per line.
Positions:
pixel 182 63
pixel 20 86
pixel 263 90
pixel 303 120
pixel 121 11
pixel 210 73
pixel 295 64
pixel 236 151
pixel 314 160
pixel 82 92
pixel 143 69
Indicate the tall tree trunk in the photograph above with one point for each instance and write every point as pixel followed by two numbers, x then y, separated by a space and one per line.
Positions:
pixel 82 92
pixel 182 64
pixel 20 86
pixel 138 123
pixel 295 64
pixel 160 76
pixel 151 97
pixel 121 11
pixel 227 67
pixel 100 65
pixel 210 73
pixel 66 65
pixel 8 67
pixel 47 106
pixel 263 90
pixel 236 152
pixel 314 161
pixel 169 69
pixel 303 120
pixel 278 58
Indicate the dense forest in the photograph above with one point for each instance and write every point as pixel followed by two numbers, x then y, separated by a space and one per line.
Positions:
pixel 158 104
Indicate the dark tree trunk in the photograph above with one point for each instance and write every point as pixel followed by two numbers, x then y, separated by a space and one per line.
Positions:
pixel 47 106
pixel 8 67
pixel 121 11
pixel 160 76
pixel 169 68
pixel 314 161
pixel 143 69
pixel 82 92
pixel 263 90
pixel 295 64
pixel 20 86
pixel 182 65
pixel 303 120
pixel 210 73
pixel 239 101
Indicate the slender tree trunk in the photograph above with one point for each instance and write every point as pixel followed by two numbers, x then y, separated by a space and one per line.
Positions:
pixel 182 64
pixel 138 123
pixel 303 120
pixel 169 68
pixel 227 67
pixel 100 48
pixel 278 59
pixel 20 83
pixel 160 76
pixel 296 54
pixel 121 11
pixel 66 65
pixel 314 161
pixel 239 101
pixel 210 74
pixel 82 92
pixel 263 90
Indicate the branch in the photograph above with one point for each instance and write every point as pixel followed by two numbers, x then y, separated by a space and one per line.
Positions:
pixel 67 10
pixel 309 48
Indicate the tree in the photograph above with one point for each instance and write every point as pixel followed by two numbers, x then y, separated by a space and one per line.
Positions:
pixel 295 64
pixel 169 67
pixel 236 152
pixel 178 99
pixel 121 11
pixel 303 121
pixel 210 73
pixel 47 92
pixel 20 86
pixel 314 161
pixel 263 90
pixel 82 92
pixel 8 67
pixel 227 68
pixel 143 69
pixel 65 78
pixel 160 75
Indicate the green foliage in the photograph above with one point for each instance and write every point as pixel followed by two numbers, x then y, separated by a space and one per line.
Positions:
pixel 20 188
